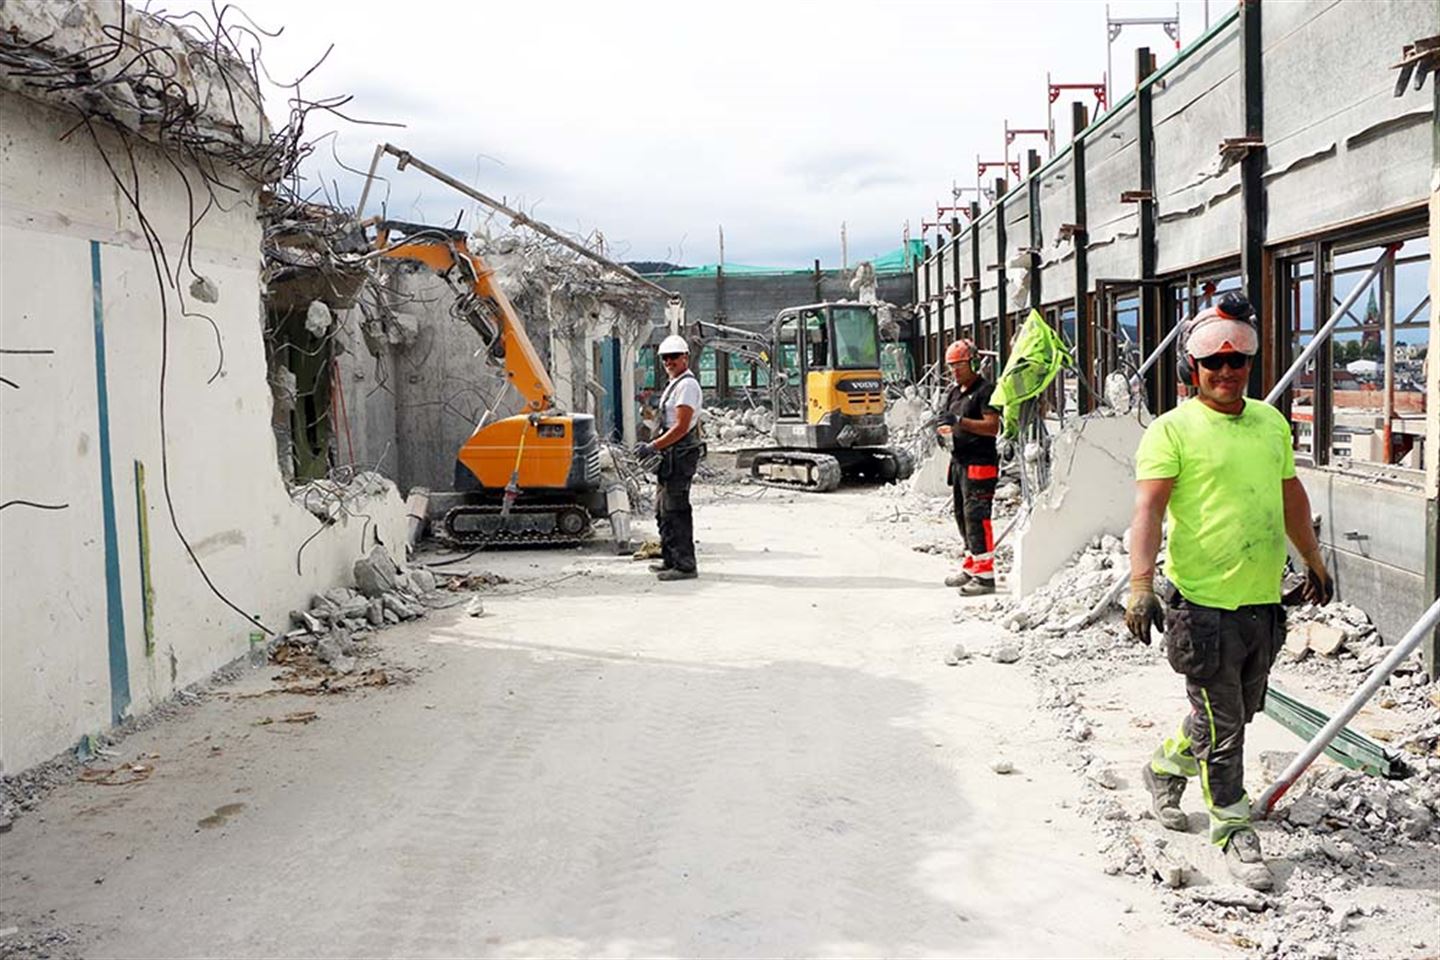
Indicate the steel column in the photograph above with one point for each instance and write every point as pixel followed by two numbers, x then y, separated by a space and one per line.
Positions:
pixel 1252 185
pixel 1079 120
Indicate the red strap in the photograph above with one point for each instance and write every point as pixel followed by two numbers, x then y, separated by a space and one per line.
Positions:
pixel 979 471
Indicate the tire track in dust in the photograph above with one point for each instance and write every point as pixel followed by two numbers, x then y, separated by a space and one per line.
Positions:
pixel 445 859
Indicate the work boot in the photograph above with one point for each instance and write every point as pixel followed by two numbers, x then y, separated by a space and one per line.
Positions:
pixel 957 579
pixel 1165 793
pixel 660 566
pixel 674 573
pixel 977 587
pixel 1245 861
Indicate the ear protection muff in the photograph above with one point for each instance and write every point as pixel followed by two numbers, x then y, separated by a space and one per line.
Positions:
pixel 1232 306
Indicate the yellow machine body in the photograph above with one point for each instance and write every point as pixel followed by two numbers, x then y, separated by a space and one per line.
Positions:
pixel 835 391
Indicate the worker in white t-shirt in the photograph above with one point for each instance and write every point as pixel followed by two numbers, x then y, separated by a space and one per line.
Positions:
pixel 680 448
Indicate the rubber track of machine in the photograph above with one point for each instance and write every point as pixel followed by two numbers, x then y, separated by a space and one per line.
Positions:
pixel 826 468
pixel 510 538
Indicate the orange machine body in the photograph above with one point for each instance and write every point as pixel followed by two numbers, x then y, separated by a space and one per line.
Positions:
pixel 542 454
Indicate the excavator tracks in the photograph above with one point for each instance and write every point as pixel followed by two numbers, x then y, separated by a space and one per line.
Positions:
pixel 525 525
pixel 797 470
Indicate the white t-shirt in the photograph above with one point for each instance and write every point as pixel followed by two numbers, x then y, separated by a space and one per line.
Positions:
pixel 684 392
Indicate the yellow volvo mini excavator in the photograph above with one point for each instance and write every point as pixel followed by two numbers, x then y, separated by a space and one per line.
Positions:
pixel 829 400
pixel 532 478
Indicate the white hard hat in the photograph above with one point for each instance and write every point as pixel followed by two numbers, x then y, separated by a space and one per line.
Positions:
pixel 673 344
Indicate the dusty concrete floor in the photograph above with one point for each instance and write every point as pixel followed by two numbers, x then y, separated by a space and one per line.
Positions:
pixel 769 760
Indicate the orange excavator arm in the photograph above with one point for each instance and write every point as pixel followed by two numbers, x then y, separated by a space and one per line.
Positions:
pixel 482 303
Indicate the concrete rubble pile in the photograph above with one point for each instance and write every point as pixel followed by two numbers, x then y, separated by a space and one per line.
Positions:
pixel 548 283
pixel 340 618
pixel 1071 594
pixel 727 427
pixel 1345 834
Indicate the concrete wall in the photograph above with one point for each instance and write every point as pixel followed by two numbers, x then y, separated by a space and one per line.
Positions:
pixel 1339 144
pixel 78 280
pixel 1374 536
pixel 1091 493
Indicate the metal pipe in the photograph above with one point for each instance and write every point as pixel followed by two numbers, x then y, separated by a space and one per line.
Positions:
pixel 406 159
pixel 1412 640
pixel 1324 332
pixel 369 179
pixel 1155 354
pixel 1387 311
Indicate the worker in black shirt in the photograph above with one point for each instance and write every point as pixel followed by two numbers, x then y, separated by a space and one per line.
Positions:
pixel 970 423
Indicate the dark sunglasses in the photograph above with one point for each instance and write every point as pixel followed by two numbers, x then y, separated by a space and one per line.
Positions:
pixel 667 357
pixel 1235 361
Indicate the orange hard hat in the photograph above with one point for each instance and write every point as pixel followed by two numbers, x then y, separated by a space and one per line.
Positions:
pixel 959 351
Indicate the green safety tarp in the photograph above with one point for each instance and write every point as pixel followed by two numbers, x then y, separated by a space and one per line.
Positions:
pixel 899 260
pixel 1037 356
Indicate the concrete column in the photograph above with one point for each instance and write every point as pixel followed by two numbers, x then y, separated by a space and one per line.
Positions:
pixel 629 353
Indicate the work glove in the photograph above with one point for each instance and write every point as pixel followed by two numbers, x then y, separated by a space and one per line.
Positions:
pixel 644 451
pixel 1319 588
pixel 1143 610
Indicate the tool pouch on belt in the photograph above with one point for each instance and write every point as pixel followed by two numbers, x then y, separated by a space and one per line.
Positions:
pixel 690 446
pixel 1192 639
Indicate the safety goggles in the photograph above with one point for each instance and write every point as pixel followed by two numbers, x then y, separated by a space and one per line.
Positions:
pixel 670 357
pixel 1235 361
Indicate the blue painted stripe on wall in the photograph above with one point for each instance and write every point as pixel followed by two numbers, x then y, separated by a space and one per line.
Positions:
pixel 115 605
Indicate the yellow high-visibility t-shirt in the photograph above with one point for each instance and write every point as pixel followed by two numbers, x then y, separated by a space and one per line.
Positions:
pixel 1227 512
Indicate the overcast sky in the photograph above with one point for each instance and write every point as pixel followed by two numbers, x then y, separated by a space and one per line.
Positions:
pixel 658 123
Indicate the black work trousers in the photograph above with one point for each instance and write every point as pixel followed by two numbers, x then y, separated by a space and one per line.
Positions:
pixel 672 505
pixel 973 486
pixel 1225 657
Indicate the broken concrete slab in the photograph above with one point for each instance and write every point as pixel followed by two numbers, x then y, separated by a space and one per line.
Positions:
pixel 1322 638
pixel 1095 458
pixel 1232 896
pixel 376 573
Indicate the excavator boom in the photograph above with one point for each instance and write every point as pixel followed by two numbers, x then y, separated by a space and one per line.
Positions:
pixel 489 310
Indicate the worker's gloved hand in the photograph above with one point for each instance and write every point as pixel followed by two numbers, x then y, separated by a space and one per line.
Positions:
pixel 1143 610
pixel 644 451
pixel 1319 588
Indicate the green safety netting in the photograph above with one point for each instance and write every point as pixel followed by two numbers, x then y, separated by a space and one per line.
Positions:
pixel 900 260
pixel 1036 358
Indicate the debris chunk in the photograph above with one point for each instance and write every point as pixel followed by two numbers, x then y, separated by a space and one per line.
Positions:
pixel 376 573
pixel 1003 766
pixel 1232 896
pixel 1005 653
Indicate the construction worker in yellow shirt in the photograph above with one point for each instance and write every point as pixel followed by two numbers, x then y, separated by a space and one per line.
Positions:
pixel 1221 469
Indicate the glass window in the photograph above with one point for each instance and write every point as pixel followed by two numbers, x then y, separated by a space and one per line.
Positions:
pixel 1124 353
pixel 1298 277
pixel 817 340
pixel 1378 349
pixel 706 367
pixel 857 338
pixel 1357 373
pixel 895 363
pixel 739 373
pixel 645 368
